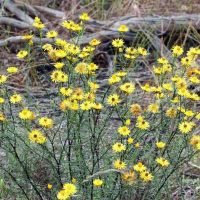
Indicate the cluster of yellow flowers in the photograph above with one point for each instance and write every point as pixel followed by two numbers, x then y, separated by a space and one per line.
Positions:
pixel 75 77
pixel 67 191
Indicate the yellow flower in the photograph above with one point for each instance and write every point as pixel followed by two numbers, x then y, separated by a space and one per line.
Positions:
pixel 146 88
pixel 26 114
pixel 183 92
pixel 139 167
pixel 87 105
pixel 124 130
pixel 136 109
pixel 74 180
pixel 47 47
pixel 160 145
pixel 81 68
pixel 142 51
pixel 63 195
pixel 27 37
pixel 59 65
pixel 157 70
pixel 188 113
pixel 186 61
pixel 192 96
pixel 73 49
pixel 22 54
pixel 114 79
pixel 177 51
pixel 94 42
pixel 118 147
pixel 66 105
pixel 49 186
pixel 193 52
pixel 12 70
pixel 146 176
pixel 123 28
pixel 89 49
pixel 52 34
pixel 166 68
pixel 90 96
pixel 195 141
pixel 78 94
pixel 16 98
pixel 153 108
pixel 2 100
pixel 92 67
pixel 127 122
pixel 61 42
pixel 130 140
pixel 162 161
pixel 186 127
pixel 137 145
pixel 162 60
pixel 129 177
pixel 93 86
pixel 121 73
pixel 70 188
pixel 3 78
pixel 38 24
pixel 36 136
pixel 46 122
pixel 131 51
pixel 194 79
pixel 66 91
pixel 97 106
pixel 2 117
pixel 113 100
pixel 83 55
pixel 97 182
pixel 167 86
pixel 117 43
pixel 118 164
pixel 84 17
pixel 197 116
pixel 59 76
pixel 59 53
pixel 175 100
pixel 128 88
pixel 142 124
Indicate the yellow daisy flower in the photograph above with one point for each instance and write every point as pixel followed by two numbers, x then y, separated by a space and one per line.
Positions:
pixel 113 100
pixel 97 182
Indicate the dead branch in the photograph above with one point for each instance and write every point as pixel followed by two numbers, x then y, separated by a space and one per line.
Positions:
pixel 82 41
pixel 52 12
pixel 14 22
pixel 19 39
pixel 32 10
pixel 168 23
pixel 17 12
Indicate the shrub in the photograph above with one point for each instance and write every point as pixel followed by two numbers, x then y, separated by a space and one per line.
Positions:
pixel 75 148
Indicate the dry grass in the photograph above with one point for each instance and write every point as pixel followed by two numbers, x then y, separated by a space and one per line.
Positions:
pixel 106 9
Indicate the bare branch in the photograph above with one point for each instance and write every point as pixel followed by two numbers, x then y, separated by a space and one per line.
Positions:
pixel 18 13
pixel 18 39
pixel 14 22
pixel 52 12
